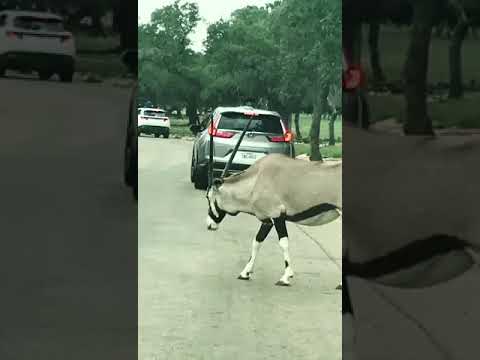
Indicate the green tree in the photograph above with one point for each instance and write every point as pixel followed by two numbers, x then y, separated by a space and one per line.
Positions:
pixel 311 54
pixel 170 69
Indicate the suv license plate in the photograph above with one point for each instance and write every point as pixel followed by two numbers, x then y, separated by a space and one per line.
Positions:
pixel 250 155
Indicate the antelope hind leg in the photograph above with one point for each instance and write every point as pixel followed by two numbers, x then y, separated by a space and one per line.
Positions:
pixel 256 244
pixel 281 228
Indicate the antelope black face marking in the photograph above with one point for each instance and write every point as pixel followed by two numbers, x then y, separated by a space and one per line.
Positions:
pixel 221 214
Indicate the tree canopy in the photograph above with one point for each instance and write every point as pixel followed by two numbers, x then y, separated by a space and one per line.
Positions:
pixel 284 56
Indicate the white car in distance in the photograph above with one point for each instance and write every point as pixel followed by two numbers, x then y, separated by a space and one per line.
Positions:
pixel 153 121
pixel 36 41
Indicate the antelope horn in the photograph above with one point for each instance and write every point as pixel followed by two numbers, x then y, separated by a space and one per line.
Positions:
pixel 235 149
pixel 210 160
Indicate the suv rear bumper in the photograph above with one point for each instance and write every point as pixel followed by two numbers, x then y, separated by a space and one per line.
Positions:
pixel 219 166
pixel 19 60
pixel 149 129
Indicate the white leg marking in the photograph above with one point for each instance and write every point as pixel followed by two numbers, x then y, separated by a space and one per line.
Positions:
pixel 285 279
pixel 211 225
pixel 249 267
pixel 348 337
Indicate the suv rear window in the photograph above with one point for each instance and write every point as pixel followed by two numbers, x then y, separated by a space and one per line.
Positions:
pixel 37 23
pixel 270 124
pixel 154 113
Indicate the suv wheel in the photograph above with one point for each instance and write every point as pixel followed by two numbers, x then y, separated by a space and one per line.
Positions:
pixel 66 76
pixel 166 134
pixel 45 75
pixel 198 176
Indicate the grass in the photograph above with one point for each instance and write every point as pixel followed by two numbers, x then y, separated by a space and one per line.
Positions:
pixel 334 151
pixel 105 66
pixel 180 127
pixel 306 123
pixel 99 44
pixel 95 55
pixel 462 113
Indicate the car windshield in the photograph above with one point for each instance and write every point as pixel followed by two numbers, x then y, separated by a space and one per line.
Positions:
pixel 270 124
pixel 154 113
pixel 37 23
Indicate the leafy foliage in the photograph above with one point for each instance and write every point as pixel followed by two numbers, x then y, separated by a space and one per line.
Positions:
pixel 277 56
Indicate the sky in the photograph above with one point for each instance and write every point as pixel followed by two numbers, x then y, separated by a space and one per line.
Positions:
pixel 210 12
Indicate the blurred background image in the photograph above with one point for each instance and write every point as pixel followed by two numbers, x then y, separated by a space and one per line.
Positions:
pixel 69 266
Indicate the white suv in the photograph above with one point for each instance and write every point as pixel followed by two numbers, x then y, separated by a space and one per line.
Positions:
pixel 36 41
pixel 153 121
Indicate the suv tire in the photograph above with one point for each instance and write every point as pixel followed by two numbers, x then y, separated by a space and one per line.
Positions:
pixel 198 176
pixel 66 76
pixel 45 75
pixel 166 134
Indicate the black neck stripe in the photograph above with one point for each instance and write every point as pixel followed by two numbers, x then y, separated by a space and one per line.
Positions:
pixel 410 255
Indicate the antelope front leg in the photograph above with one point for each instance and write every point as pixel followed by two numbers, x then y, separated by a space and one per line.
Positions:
pixel 256 243
pixel 281 228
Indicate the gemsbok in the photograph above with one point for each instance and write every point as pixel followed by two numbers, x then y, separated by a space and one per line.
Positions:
pixel 266 191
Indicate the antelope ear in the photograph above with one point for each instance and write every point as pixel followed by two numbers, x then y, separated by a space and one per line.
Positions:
pixel 218 182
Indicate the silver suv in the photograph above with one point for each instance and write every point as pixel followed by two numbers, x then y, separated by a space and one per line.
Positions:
pixel 267 134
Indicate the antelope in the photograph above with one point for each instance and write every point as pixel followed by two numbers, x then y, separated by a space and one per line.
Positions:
pixel 422 233
pixel 266 191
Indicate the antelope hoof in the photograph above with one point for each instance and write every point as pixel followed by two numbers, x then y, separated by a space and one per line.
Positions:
pixel 241 277
pixel 282 283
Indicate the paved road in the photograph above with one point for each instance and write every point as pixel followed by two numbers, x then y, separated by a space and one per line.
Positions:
pixel 68 256
pixel 191 306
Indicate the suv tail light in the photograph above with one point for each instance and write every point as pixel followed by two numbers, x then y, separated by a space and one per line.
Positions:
pixel 65 38
pixel 287 137
pixel 13 35
pixel 353 78
pixel 219 133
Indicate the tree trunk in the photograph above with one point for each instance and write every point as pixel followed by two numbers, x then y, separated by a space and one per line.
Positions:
pixel 474 32
pixel 373 38
pixel 455 54
pixel 97 25
pixel 416 69
pixel 288 120
pixel 331 130
pixel 127 24
pixel 192 113
pixel 320 104
pixel 456 78
pixel 297 126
